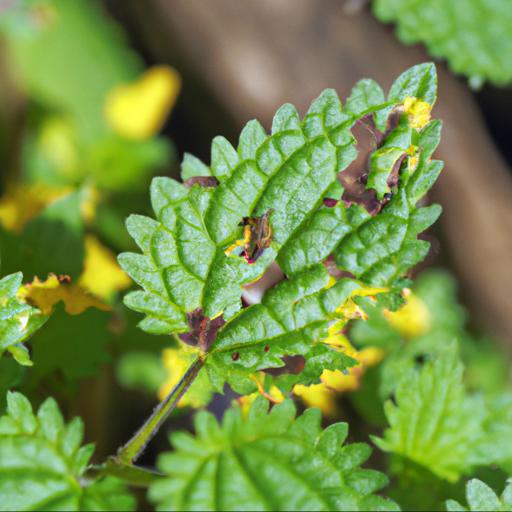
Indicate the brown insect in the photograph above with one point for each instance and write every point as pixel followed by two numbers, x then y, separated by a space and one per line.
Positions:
pixel 257 237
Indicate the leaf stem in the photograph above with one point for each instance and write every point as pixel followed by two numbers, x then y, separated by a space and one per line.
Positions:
pixel 132 450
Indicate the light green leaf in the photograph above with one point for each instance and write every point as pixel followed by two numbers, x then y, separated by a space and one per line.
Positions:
pixel 481 498
pixel 433 421
pixel 267 461
pixel 18 321
pixel 42 464
pixel 474 38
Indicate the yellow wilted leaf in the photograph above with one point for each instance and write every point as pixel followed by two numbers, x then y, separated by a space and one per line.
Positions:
pixel 138 110
pixel 411 320
pixel 102 276
pixel 418 112
pixel 21 203
pixel 45 294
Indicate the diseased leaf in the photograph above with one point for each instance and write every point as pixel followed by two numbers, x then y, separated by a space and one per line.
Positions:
pixel 474 38
pixel 42 463
pixel 55 289
pixel 278 198
pixel 267 461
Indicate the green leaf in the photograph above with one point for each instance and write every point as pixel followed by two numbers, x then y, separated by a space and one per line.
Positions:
pixel 73 346
pixel 292 319
pixel 433 421
pixel 18 321
pixel 192 277
pixel 476 40
pixel 482 498
pixel 496 447
pixel 267 461
pixel 184 266
pixel 42 464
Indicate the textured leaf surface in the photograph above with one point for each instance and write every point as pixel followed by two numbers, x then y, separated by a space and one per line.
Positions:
pixel 481 498
pixel 42 462
pixel 434 423
pixel 267 461
pixel 292 319
pixel 192 276
pixel 474 36
pixel 287 173
pixel 18 321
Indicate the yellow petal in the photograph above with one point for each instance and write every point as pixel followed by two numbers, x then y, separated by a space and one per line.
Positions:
pixel 411 320
pixel 137 111
pixel 45 294
pixel 177 361
pixel 21 203
pixel 102 276
pixel 317 395
pixel 418 112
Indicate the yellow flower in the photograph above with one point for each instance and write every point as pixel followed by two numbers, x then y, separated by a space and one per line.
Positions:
pixel 318 395
pixel 177 361
pixel 137 111
pixel 418 112
pixel 411 320
pixel 21 203
pixel 102 276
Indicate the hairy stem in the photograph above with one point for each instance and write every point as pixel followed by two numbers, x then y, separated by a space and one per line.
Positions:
pixel 131 451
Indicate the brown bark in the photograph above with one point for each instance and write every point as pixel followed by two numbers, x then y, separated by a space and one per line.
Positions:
pixel 257 54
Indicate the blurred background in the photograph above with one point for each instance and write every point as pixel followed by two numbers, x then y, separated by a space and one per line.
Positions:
pixel 96 98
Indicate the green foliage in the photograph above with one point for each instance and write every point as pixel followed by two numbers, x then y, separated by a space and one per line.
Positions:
pixel 250 463
pixel 18 321
pixel 42 464
pixel 481 497
pixel 441 318
pixel 474 36
pixel 187 265
pixel 292 319
pixel 433 421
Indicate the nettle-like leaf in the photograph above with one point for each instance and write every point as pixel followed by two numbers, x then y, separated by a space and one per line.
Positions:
pixel 296 196
pixel 476 39
pixel 481 498
pixel 18 320
pixel 267 461
pixel 42 464
pixel 433 421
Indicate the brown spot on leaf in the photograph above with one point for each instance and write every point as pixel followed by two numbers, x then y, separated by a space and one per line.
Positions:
pixel 235 356
pixel 334 271
pixel 355 177
pixel 330 202
pixel 204 181
pixel 203 330
pixel 292 364
pixel 267 348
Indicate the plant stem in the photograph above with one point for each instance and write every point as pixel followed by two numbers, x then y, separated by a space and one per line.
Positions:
pixel 131 451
